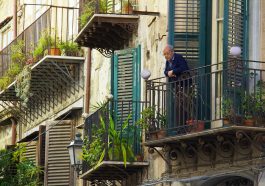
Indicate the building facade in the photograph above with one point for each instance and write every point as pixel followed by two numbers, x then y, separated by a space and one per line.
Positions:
pixel 138 128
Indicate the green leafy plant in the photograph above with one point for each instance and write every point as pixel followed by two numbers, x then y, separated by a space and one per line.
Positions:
pixel 92 151
pixel 119 145
pixel 151 120
pixel 45 42
pixel 227 108
pixel 147 115
pixel 88 11
pixel 14 70
pixel 18 55
pixel 18 61
pixel 260 100
pixel 90 8
pixel 16 169
pixel 69 48
pixel 162 120
pixel 22 86
pixel 4 82
pixel 249 105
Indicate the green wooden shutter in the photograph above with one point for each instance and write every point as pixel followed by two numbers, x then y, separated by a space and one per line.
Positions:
pixel 190 31
pixel 235 34
pixel 126 80
pixel 235 26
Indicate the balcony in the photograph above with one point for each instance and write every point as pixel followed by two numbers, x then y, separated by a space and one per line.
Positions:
pixel 113 142
pixel 107 24
pixel 35 81
pixel 213 115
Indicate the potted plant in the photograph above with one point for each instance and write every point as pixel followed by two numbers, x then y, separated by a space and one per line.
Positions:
pixel 127 7
pixel 196 125
pixel 69 48
pixel 249 108
pixel 260 102
pixel 120 142
pixel 18 61
pixel 105 6
pixel 147 122
pixel 118 146
pixel 227 110
pixel 47 45
pixel 162 122
pixel 93 150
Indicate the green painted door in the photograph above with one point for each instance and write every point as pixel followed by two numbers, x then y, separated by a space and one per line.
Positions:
pixel 191 37
pixel 126 83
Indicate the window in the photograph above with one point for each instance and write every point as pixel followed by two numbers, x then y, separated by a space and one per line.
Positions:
pixel 6 36
pixel 220 26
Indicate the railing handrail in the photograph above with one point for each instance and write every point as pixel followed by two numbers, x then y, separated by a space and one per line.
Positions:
pixel 207 66
pixel 210 96
pixel 28 27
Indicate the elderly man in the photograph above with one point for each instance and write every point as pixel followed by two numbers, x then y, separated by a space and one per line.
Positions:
pixel 175 64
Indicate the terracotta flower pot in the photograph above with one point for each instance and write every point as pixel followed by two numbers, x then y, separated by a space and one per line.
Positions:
pixel 226 121
pixel 127 8
pixel 197 125
pixel 54 52
pixel 249 122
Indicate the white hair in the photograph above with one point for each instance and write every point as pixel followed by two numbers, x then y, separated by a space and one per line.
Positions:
pixel 170 47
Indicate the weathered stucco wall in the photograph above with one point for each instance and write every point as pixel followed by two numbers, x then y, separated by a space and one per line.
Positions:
pixel 6 7
pixel 100 78
pixel 152 36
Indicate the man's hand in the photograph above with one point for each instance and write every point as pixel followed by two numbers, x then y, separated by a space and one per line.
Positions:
pixel 171 74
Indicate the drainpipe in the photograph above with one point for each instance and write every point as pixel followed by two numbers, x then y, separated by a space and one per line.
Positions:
pixel 14 19
pixel 13 131
pixel 88 79
pixel 87 88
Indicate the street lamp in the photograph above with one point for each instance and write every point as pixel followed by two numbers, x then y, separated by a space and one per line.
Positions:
pixel 145 74
pixel 235 51
pixel 75 151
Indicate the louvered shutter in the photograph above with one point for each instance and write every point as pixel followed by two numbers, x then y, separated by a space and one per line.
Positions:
pixel 190 30
pixel 57 160
pixel 235 34
pixel 235 26
pixel 235 29
pixel 126 81
pixel 31 151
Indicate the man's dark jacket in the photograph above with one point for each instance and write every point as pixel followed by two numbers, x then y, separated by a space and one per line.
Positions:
pixel 178 64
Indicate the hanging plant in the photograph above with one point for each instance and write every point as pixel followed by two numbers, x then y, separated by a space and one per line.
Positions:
pixel 22 86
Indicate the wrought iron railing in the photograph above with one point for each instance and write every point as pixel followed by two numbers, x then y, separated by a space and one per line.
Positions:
pixel 218 95
pixel 112 133
pixel 58 23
